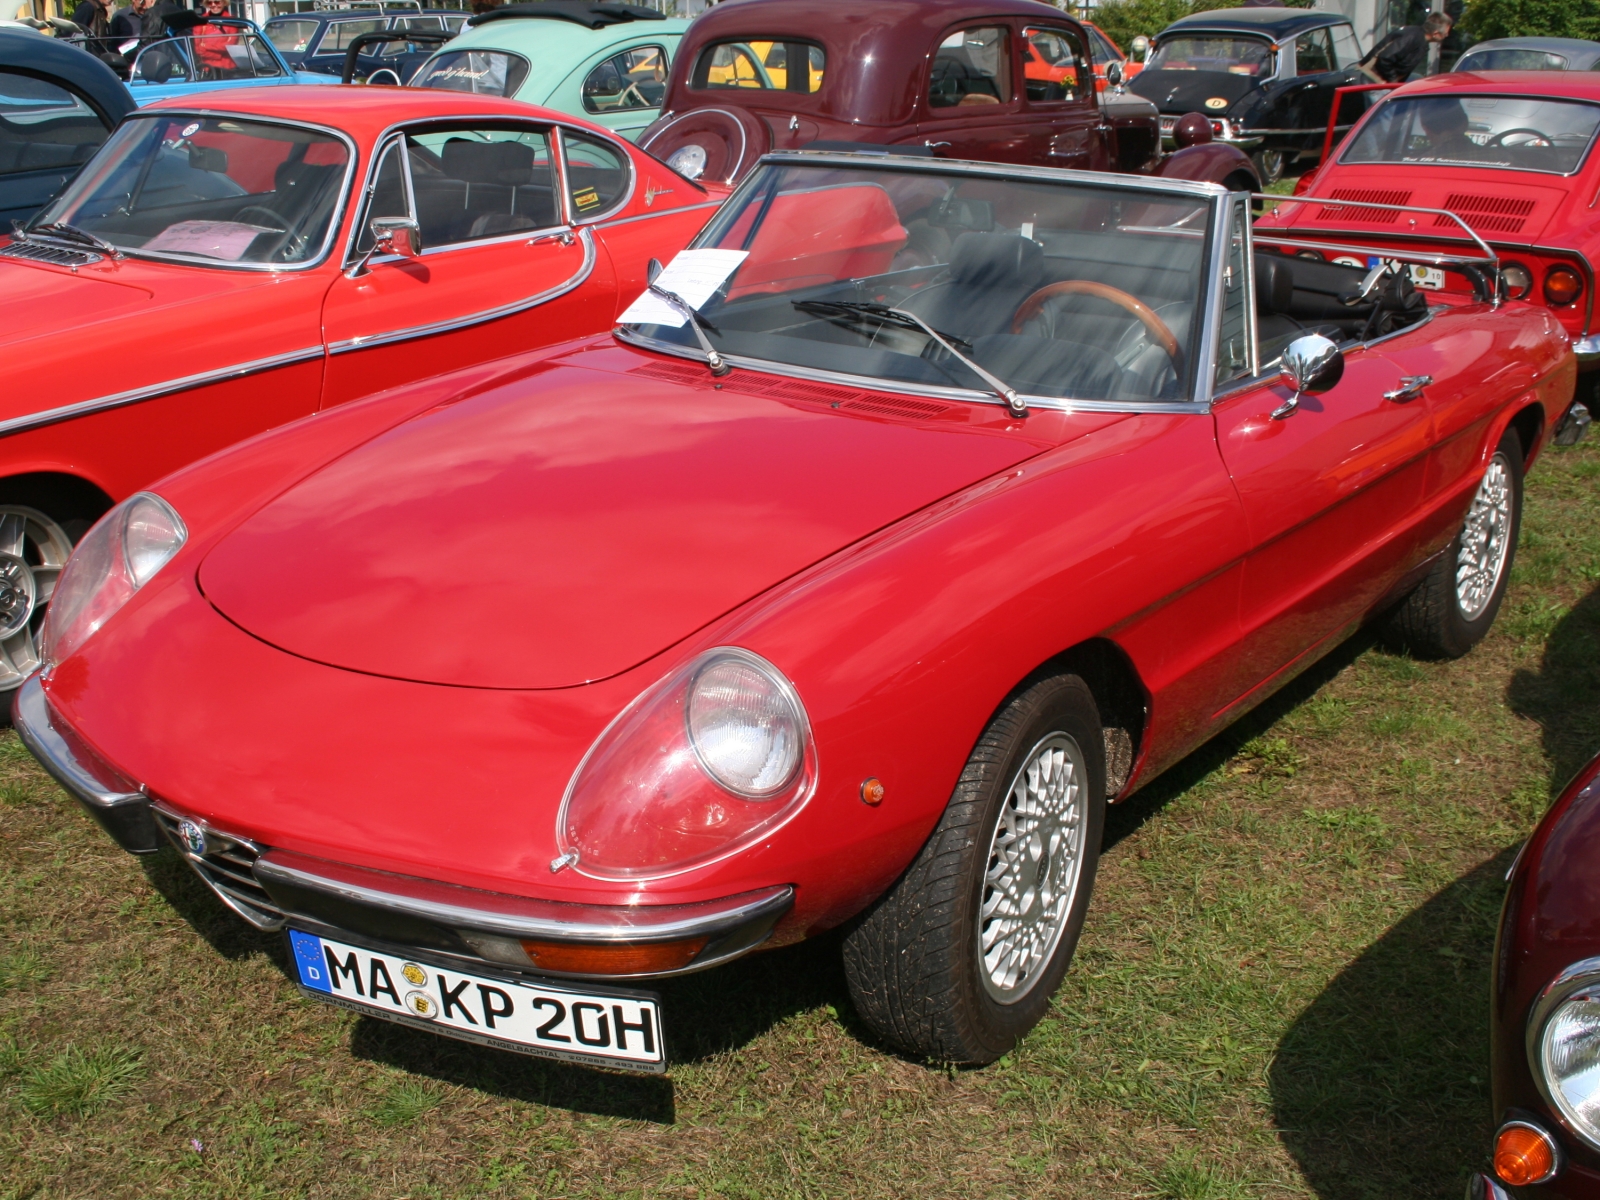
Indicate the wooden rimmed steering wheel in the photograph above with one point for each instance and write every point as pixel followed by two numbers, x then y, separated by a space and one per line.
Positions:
pixel 1154 325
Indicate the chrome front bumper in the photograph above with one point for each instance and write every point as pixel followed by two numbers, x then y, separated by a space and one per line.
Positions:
pixel 1481 1187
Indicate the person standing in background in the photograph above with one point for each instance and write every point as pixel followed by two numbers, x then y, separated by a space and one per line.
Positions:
pixel 1395 58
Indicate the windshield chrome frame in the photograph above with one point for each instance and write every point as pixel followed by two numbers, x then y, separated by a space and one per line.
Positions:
pixel 1454 165
pixel 335 219
pixel 1214 195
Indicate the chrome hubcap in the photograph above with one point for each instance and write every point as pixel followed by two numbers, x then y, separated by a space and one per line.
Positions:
pixel 1035 860
pixel 1485 541
pixel 33 549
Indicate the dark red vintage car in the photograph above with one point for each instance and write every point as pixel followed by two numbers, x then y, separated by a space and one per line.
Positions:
pixel 1008 81
pixel 914 514
pixel 213 272
pixel 1546 1009
pixel 1508 152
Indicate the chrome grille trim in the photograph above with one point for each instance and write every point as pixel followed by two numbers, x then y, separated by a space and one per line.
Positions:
pixel 227 868
pixel 60 256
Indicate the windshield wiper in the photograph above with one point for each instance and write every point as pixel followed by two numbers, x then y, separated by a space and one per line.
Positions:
pixel 72 233
pixel 909 320
pixel 699 324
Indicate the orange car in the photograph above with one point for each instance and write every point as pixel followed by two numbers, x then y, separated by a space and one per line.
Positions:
pixel 1104 51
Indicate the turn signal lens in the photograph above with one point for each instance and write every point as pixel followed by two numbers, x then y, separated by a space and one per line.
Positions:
pixel 1524 1155
pixel 1562 285
pixel 647 959
pixel 1519 281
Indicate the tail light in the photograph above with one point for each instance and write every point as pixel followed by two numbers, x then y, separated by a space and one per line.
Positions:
pixel 1562 285
pixel 1519 281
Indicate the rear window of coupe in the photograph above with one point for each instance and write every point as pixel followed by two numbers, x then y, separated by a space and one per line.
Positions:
pixel 1511 133
pixel 760 64
pixel 484 72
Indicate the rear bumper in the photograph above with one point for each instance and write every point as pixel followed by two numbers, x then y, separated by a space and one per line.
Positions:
pixel 1587 349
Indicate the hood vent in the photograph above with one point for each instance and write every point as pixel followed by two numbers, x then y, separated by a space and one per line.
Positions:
pixel 1372 216
pixel 60 256
pixel 746 383
pixel 1487 214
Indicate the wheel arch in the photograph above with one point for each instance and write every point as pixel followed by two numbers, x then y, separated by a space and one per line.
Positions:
pixel 1529 424
pixel 61 495
pixel 1120 693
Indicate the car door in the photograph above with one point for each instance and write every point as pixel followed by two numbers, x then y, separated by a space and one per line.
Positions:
pixel 1317 74
pixel 1064 126
pixel 1330 491
pixel 970 105
pixel 500 269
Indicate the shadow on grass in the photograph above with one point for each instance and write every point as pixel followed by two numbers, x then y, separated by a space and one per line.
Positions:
pixel 223 929
pixel 1381 1086
pixel 704 1015
pixel 1563 696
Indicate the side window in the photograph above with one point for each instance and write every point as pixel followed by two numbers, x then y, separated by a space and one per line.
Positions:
pixel 1313 53
pixel 761 65
pixel 1104 51
pixel 1054 66
pixel 729 65
pixel 388 195
pixel 1235 329
pixel 598 173
pixel 340 34
pixel 44 126
pixel 470 184
pixel 635 78
pixel 972 67
pixel 1346 50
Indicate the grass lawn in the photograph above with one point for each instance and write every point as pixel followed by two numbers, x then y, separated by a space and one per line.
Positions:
pixel 1282 990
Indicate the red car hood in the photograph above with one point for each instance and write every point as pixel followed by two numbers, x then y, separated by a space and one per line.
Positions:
pixel 1516 208
pixel 566 524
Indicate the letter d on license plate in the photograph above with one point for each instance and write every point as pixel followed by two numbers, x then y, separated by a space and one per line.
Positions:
pixel 608 1027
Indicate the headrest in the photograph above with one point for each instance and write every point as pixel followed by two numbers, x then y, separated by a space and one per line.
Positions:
pixel 487 162
pixel 992 260
pixel 1274 284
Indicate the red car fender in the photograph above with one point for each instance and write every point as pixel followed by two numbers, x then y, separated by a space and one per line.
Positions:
pixel 1212 162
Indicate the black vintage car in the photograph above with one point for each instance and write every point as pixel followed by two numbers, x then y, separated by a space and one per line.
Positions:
pixel 57 104
pixel 317 41
pixel 1264 77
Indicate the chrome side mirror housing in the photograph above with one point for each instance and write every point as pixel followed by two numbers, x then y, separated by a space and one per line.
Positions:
pixel 396 235
pixel 1114 75
pixel 1140 48
pixel 1311 365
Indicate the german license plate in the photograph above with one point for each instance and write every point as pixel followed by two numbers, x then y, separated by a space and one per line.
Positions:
pixel 1431 278
pixel 611 1028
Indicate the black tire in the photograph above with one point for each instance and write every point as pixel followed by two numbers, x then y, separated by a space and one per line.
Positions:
pixel 1431 622
pixel 1269 166
pixel 913 959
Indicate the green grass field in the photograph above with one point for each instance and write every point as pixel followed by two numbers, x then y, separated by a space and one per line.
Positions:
pixel 1282 990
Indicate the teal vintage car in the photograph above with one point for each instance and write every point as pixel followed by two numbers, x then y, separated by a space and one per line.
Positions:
pixel 604 61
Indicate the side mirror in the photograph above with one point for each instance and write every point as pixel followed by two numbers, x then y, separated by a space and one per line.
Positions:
pixel 1114 74
pixel 1311 365
pixel 1140 47
pixel 652 269
pixel 396 235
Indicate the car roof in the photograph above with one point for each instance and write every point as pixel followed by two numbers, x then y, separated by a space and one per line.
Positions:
pixel 1571 45
pixel 800 18
pixel 1574 85
pixel 362 112
pixel 81 71
pixel 1275 23
pixel 557 45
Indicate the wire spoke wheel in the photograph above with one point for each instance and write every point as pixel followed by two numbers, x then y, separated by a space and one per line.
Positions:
pixel 33 549
pixel 1034 863
pixel 1485 540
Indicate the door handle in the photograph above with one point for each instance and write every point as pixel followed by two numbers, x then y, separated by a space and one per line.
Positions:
pixel 565 236
pixel 935 145
pixel 1410 388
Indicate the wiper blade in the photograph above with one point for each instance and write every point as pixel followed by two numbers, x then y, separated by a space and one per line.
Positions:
pixel 909 320
pixel 72 233
pixel 697 323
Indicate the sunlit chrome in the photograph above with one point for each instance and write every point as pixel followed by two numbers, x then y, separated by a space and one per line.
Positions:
pixel 1310 365
pixel 1485 540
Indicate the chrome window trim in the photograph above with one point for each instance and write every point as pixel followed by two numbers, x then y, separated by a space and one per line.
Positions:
pixel 154 391
pixel 585 235
pixel 335 219
pixel 665 212
pixel 956 166
pixel 1571 979
pixel 627 193
pixel 1205 364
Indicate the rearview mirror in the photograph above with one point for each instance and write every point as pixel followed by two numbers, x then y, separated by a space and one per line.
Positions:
pixel 1114 74
pixel 1311 365
pixel 208 158
pixel 396 235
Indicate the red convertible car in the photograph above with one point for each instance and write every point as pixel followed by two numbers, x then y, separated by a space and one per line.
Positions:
pixel 1509 152
pixel 914 513
pixel 224 265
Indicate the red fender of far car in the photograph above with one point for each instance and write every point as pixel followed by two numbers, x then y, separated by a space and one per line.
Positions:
pixel 1012 81
pixel 1545 1018
pixel 968 499
pixel 1508 152
pixel 1104 51
pixel 208 276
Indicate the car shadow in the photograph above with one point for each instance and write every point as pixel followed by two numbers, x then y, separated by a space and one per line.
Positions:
pixel 223 930
pixel 1380 1088
pixel 1563 695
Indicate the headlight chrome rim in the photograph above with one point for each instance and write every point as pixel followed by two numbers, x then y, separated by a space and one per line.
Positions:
pixel 1571 983
pixel 785 691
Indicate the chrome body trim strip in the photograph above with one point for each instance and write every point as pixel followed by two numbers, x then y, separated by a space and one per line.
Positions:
pixel 68 412
pixel 665 212
pixel 456 907
pixel 585 234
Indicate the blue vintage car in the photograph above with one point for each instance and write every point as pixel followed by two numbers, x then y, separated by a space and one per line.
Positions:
pixel 317 41
pixel 606 62
pixel 206 55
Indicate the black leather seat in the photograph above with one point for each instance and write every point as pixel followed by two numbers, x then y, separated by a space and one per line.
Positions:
pixel 991 274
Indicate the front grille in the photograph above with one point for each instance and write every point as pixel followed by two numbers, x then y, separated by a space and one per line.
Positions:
pixel 1487 214
pixel 61 256
pixel 227 865
pixel 1372 216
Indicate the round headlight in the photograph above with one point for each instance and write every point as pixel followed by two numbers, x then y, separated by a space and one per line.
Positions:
pixel 1519 281
pixel 688 161
pixel 744 727
pixel 1569 1060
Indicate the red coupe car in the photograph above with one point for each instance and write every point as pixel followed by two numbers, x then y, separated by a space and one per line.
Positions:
pixel 224 265
pixel 1509 152
pixel 915 513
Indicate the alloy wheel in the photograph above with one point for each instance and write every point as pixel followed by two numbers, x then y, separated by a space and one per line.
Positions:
pixel 1485 540
pixel 33 549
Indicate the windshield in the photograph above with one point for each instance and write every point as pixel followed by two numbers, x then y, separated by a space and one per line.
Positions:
pixel 1511 60
pixel 206 56
pixel 486 72
pixel 291 37
pixel 209 190
pixel 1213 52
pixel 1065 290
pixel 1515 133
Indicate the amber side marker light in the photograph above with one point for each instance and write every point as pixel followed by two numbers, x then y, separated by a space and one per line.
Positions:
pixel 592 959
pixel 1562 285
pixel 1524 1155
